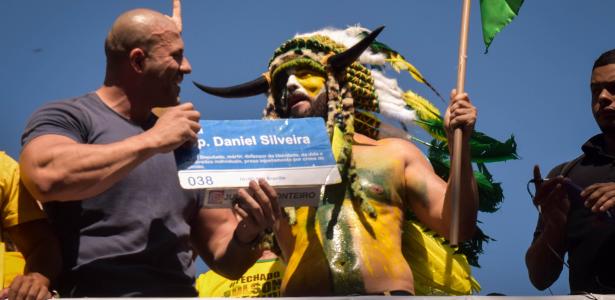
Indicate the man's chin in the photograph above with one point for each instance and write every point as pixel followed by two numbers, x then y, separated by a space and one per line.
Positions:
pixel 169 102
pixel 300 110
pixel 607 128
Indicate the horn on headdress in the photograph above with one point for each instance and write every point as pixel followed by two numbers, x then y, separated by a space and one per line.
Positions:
pixel 342 60
pixel 252 88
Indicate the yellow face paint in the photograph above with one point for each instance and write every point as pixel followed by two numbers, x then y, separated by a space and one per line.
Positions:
pixel 310 81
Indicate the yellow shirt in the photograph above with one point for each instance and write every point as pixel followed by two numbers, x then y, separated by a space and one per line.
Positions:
pixel 264 279
pixel 17 206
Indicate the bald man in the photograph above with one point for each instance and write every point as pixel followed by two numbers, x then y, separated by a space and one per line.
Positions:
pixel 104 167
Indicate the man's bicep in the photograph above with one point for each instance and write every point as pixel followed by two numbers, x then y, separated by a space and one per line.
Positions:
pixel 425 191
pixel 40 153
pixel 44 147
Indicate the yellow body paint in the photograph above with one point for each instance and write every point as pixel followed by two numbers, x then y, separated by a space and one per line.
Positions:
pixel 310 81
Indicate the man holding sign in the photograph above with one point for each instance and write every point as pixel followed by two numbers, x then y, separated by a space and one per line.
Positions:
pixel 103 166
pixel 352 242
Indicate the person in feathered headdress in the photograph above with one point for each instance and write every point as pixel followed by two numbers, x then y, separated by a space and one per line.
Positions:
pixel 358 240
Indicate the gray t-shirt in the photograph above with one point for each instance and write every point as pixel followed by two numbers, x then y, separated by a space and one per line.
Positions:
pixel 132 239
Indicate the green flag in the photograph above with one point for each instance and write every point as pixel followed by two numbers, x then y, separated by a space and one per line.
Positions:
pixel 496 14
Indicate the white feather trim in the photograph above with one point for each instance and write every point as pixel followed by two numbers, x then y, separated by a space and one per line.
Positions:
pixel 349 38
pixel 386 86
pixel 391 103
pixel 395 112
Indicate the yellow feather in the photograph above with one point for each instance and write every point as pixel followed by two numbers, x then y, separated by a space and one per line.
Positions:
pixel 437 270
pixel 337 143
pixel 424 109
pixel 399 63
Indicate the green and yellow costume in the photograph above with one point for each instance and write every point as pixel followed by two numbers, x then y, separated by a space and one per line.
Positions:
pixel 361 223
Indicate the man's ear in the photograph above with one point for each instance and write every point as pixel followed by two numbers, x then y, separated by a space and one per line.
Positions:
pixel 137 60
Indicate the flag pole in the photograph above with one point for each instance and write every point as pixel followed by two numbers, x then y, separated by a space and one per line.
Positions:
pixel 457 138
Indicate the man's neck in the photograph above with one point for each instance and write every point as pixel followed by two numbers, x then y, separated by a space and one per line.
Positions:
pixel 119 100
pixel 267 254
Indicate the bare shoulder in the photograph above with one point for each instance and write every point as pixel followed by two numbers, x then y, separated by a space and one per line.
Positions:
pixel 392 146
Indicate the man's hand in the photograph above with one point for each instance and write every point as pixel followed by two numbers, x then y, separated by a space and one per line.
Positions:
pixel 258 208
pixel 599 196
pixel 32 286
pixel 176 126
pixel 551 199
pixel 460 114
pixel 544 257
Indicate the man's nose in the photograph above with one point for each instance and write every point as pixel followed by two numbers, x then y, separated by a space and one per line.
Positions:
pixel 185 67
pixel 292 84
pixel 605 99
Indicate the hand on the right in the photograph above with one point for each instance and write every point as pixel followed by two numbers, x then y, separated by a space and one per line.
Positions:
pixel 258 208
pixel 551 199
pixel 32 286
pixel 176 126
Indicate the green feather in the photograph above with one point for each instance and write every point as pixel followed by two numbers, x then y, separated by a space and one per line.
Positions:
pixel 474 247
pixel 487 149
pixel 482 147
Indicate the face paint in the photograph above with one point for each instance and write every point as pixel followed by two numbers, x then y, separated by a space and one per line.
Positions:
pixel 311 82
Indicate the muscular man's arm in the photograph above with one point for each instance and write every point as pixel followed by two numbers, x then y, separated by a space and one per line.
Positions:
pixel 57 168
pixel 223 237
pixel 433 205
pixel 212 236
pixel 429 195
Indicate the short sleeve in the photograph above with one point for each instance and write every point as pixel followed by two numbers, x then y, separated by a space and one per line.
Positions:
pixel 65 118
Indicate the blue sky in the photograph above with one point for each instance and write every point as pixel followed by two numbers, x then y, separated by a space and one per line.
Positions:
pixel 534 82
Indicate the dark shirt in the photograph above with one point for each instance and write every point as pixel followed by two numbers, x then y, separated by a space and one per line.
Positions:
pixel 590 236
pixel 132 239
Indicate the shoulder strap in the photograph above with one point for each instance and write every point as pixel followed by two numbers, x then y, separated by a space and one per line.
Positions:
pixel 568 167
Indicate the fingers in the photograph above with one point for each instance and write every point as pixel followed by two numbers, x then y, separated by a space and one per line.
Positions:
pixel 457 97
pixel 264 203
pixel 187 110
pixel 273 197
pixel 43 294
pixel 549 189
pixel 33 286
pixel 176 126
pixel 553 203
pixel 253 210
pixel 23 289
pixel 600 196
pixel 462 118
pixel 537 177
pixel 243 215
pixel 460 112
pixel 15 287
pixel 258 208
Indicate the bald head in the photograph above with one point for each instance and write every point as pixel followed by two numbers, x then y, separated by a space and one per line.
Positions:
pixel 137 28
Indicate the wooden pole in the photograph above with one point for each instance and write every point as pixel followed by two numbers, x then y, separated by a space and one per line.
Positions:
pixel 457 138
